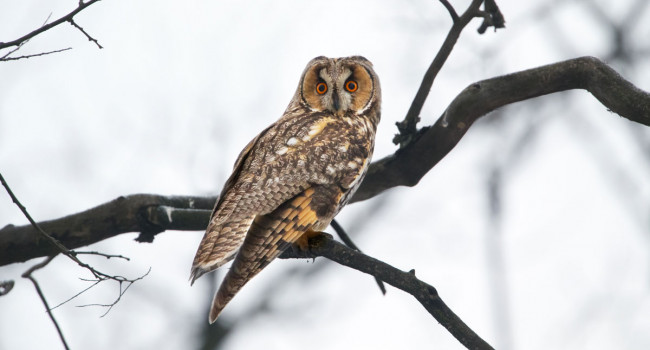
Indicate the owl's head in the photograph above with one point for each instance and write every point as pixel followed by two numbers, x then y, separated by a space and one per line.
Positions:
pixel 339 85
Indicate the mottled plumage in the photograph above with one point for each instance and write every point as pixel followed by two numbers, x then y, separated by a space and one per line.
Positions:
pixel 296 175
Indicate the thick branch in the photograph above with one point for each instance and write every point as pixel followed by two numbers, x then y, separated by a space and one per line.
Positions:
pixel 408 165
pixel 151 214
pixel 323 245
pixel 147 214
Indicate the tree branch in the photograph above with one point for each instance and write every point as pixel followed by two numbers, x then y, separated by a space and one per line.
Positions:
pixel 323 245
pixel 408 127
pixel 45 27
pixel 451 10
pixel 147 214
pixel 54 244
pixel 345 238
pixel 152 214
pixel 5 58
pixel 90 38
pixel 28 275
pixel 492 17
pixel 409 164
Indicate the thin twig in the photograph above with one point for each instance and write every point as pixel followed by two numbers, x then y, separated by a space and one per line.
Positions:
pixel 452 11
pixel 492 17
pixel 44 234
pixel 20 41
pixel 90 38
pixel 95 282
pixel 408 127
pixel 70 254
pixel 99 276
pixel 107 256
pixel 28 275
pixel 348 242
pixel 109 307
pixel 4 58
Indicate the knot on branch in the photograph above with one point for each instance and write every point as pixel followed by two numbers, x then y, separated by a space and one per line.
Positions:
pixel 492 17
pixel 407 130
pixel 152 221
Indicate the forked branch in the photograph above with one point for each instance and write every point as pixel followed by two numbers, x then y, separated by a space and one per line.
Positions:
pixel 409 164
pixel 408 127
pixel 18 43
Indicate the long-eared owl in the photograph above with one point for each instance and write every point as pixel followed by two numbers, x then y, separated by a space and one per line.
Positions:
pixel 295 176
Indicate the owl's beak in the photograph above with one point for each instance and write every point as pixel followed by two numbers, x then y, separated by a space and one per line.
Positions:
pixel 336 102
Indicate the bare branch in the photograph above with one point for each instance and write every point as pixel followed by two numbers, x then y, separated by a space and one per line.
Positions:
pixel 152 214
pixel 110 306
pixel 90 38
pixel 323 245
pixel 147 214
pixel 28 275
pixel 409 164
pixel 107 256
pixel 67 18
pixel 76 295
pixel 408 127
pixel 95 282
pixel 22 208
pixel 452 11
pixel 4 58
pixel 348 242
pixel 55 244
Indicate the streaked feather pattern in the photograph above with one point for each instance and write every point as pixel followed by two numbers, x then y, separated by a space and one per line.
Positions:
pixel 295 176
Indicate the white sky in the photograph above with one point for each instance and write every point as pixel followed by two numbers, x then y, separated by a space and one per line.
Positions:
pixel 180 88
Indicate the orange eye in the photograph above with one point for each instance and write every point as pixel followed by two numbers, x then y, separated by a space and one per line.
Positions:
pixel 351 85
pixel 321 88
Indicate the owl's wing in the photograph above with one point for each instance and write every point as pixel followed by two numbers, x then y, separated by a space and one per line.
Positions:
pixel 268 237
pixel 268 174
pixel 223 238
pixel 236 171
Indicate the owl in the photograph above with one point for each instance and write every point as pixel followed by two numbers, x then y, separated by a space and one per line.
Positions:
pixel 293 178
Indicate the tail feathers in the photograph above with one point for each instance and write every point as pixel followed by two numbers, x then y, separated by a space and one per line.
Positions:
pixel 223 296
pixel 253 257
pixel 200 270
pixel 219 246
pixel 268 237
